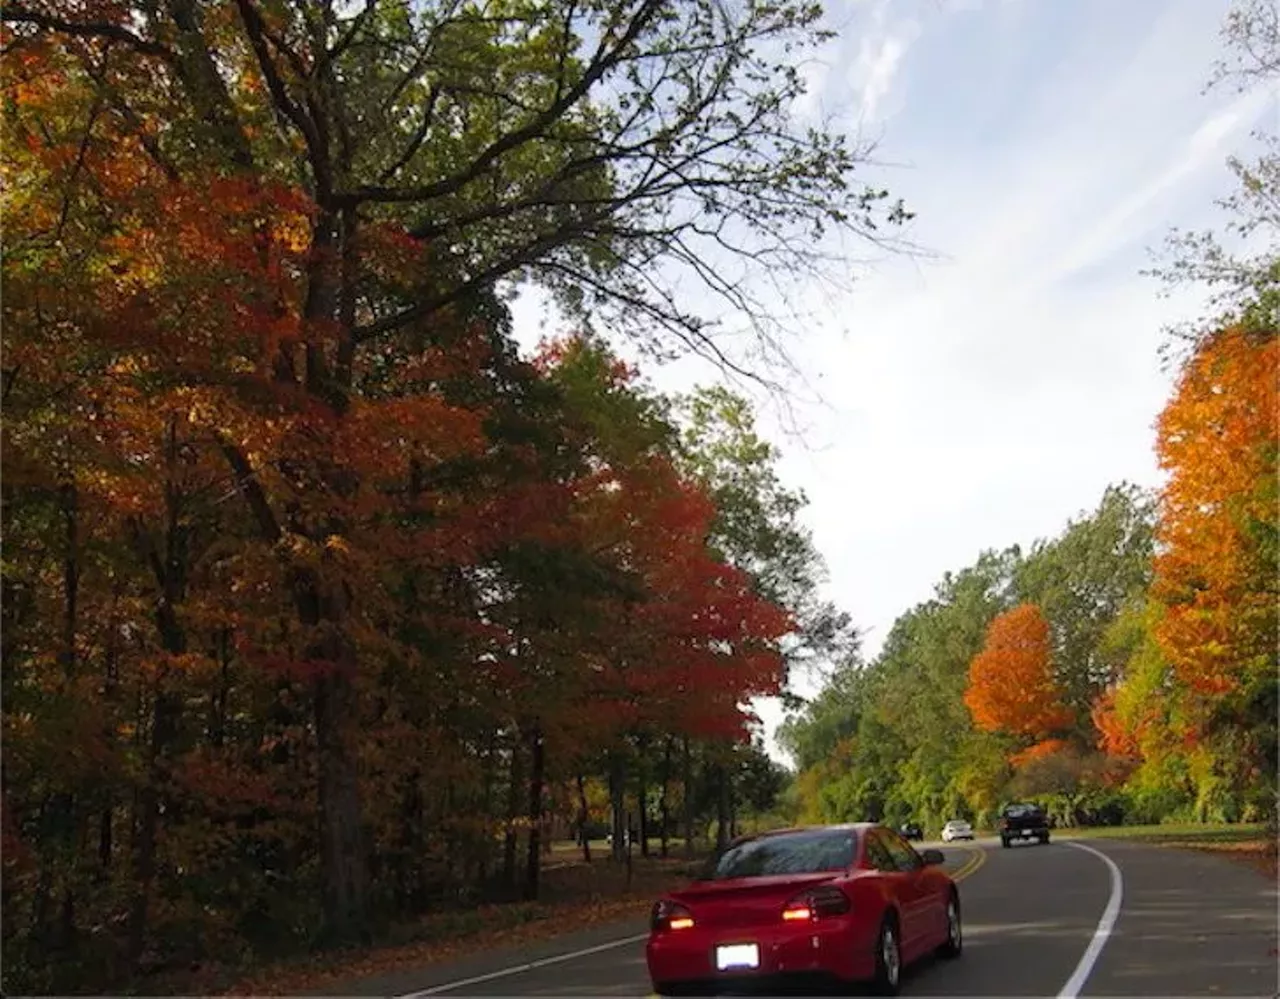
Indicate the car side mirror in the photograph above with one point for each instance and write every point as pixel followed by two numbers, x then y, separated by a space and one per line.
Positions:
pixel 932 857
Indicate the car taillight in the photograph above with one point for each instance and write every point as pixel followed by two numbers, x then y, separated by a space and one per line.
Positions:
pixel 816 903
pixel 668 915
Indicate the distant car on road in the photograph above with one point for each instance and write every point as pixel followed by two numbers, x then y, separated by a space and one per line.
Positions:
pixel 1020 822
pixel 822 905
pixel 910 830
pixel 956 829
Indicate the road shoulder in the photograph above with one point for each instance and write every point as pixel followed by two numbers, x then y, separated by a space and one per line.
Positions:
pixel 1191 924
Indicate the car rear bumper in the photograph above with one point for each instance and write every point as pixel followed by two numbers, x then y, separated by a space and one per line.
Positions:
pixel 839 949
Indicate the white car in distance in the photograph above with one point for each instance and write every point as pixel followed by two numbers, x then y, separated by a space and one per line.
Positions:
pixel 956 829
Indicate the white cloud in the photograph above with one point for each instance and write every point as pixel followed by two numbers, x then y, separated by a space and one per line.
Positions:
pixel 981 400
pixel 881 48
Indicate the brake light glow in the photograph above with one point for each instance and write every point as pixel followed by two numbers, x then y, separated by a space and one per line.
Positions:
pixel 669 915
pixel 815 903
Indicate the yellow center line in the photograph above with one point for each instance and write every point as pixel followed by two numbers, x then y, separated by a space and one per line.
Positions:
pixel 977 859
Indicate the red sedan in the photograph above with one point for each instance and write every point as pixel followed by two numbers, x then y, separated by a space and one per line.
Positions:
pixel 834 903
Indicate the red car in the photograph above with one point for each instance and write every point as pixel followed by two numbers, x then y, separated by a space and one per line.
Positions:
pixel 830 904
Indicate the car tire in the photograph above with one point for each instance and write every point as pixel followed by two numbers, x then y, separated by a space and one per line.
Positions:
pixel 1004 841
pixel 1044 840
pixel 888 976
pixel 953 946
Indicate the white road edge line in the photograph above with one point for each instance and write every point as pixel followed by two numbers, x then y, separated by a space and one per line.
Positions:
pixel 517 969
pixel 1105 925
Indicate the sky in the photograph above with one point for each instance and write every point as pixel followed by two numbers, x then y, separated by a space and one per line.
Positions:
pixel 985 394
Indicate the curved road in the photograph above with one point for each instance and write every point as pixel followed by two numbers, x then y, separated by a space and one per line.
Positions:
pixel 1173 923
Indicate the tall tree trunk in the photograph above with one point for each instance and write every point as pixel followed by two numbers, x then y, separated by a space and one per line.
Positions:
pixel 170 569
pixel 105 825
pixel 686 804
pixel 733 808
pixel 484 855
pixel 643 796
pixel 110 687
pixel 617 802
pixel 164 728
pixel 222 697
pixel 722 808
pixel 533 858
pixel 664 811
pixel 515 783
pixel 67 817
pixel 343 861
pixel 70 575
pixel 584 817
pixel 322 608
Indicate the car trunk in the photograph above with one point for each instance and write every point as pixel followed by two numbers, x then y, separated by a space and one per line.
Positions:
pixel 746 901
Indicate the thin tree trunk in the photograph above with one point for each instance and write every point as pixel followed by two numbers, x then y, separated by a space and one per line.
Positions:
pixel 486 810
pixel 733 808
pixel 105 823
pixel 644 814
pixel 664 812
pixel 515 782
pixel 110 688
pixel 70 575
pixel 218 720
pixel 170 572
pixel 722 808
pixel 686 805
pixel 617 801
pixel 533 858
pixel 164 727
pixel 66 813
pixel 583 819
pixel 40 898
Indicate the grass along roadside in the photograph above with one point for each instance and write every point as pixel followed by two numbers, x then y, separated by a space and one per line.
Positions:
pixel 575 897
pixel 1246 843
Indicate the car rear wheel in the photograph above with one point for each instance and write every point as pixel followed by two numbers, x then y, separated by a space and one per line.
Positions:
pixel 1004 841
pixel 888 979
pixel 954 944
pixel 1044 840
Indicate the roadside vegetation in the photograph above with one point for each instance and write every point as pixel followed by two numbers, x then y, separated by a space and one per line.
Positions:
pixel 332 619
pixel 325 607
pixel 1124 671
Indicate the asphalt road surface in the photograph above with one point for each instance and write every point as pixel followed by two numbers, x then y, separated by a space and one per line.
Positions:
pixel 1108 918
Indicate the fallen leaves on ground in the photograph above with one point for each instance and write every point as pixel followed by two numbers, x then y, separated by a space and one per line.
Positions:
pixel 1259 854
pixel 578 896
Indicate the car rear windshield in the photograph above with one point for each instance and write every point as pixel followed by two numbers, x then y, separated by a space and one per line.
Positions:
pixel 1019 811
pixel 807 852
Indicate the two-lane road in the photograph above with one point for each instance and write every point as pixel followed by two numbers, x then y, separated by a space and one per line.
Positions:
pixel 1056 920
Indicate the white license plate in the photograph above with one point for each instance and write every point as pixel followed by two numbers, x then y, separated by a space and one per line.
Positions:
pixel 730 957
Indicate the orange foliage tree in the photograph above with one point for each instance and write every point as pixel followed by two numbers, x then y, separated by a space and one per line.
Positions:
pixel 312 585
pixel 1011 684
pixel 1217 572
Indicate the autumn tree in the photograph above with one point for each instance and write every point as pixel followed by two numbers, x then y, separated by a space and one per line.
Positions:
pixel 374 167
pixel 1082 580
pixel 1011 686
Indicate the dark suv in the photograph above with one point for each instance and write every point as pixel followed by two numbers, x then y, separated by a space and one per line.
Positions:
pixel 1020 822
pixel 910 830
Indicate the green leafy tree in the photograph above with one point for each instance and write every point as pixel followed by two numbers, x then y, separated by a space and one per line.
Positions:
pixel 1082 580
